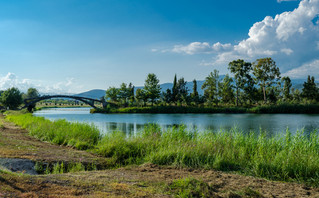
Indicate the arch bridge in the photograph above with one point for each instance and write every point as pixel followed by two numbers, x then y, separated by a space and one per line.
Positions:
pixel 30 102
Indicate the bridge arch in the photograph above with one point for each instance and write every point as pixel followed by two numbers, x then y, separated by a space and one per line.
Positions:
pixel 29 102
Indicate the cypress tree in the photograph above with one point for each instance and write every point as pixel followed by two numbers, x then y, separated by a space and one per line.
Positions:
pixel 174 90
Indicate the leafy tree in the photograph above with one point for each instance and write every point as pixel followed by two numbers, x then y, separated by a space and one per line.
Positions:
pixel 167 96
pixel 11 98
pixel 241 71
pixel 226 90
pixel 182 90
pixel 32 93
pixel 310 89
pixel 112 94
pixel 266 73
pixel 141 96
pixel 210 87
pixel 286 88
pixel 124 94
pixel 296 95
pixel 152 87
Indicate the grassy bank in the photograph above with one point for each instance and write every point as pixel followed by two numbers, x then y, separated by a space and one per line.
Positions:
pixel 79 135
pixel 283 108
pixel 289 157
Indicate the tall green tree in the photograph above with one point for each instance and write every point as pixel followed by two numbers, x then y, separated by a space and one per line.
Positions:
pixel 141 96
pixel 210 87
pixel 266 73
pixel 195 95
pixel 310 89
pixel 111 94
pixel 241 71
pixel 182 90
pixel 152 87
pixel 131 92
pixel 175 90
pixel 226 90
pixel 286 88
pixel 124 94
pixel 11 98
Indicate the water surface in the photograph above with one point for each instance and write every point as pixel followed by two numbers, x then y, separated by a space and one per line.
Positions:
pixel 131 123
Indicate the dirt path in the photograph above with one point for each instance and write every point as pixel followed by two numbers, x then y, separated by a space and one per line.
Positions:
pixel 147 180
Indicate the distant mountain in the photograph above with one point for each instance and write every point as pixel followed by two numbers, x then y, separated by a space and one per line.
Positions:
pixel 94 93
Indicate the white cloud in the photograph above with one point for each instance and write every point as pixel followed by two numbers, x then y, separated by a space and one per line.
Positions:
pixel 279 1
pixel 64 87
pixel 311 68
pixel 287 51
pixel 290 38
pixel 201 47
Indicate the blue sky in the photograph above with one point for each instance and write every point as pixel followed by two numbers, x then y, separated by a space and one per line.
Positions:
pixel 69 46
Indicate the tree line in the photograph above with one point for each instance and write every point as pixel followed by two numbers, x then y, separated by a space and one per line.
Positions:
pixel 255 83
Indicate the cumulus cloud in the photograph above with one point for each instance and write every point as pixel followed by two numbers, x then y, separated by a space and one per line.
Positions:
pixel 11 80
pixel 290 38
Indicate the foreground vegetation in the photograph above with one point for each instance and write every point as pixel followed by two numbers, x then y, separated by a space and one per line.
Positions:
pixel 290 157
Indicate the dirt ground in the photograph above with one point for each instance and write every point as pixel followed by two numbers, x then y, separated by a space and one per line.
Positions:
pixel 148 180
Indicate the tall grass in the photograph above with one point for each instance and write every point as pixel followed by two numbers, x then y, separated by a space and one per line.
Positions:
pixel 283 157
pixel 79 135
pixel 288 157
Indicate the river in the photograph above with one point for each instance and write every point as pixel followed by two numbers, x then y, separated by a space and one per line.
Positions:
pixel 132 123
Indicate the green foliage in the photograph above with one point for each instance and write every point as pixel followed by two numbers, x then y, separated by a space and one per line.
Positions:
pixel 191 187
pixel 241 71
pixel 32 93
pixel 282 157
pixel 112 94
pixel 79 135
pixel 11 98
pixel 141 96
pixel 286 88
pixel 310 90
pixel 152 87
pixel 210 87
pixel 265 72
pixel 288 157
pixel 226 90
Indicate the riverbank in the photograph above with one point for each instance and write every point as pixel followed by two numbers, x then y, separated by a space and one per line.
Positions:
pixel 145 172
pixel 271 109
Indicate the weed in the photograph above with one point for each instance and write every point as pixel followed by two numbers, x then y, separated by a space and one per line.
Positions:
pixel 191 187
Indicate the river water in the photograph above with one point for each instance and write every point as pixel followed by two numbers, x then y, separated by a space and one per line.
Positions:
pixel 132 123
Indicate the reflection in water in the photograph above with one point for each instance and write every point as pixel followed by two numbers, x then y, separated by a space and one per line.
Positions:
pixel 132 123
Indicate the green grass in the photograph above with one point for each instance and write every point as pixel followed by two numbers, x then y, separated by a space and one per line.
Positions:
pixel 289 157
pixel 190 187
pixel 285 158
pixel 79 135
